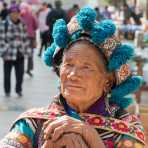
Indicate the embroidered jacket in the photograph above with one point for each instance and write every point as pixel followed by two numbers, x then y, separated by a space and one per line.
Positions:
pixel 122 130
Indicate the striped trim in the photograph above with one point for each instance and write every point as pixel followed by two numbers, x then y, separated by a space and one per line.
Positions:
pixel 116 125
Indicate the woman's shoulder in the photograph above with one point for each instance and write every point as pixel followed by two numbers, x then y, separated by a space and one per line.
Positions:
pixel 47 112
pixel 129 115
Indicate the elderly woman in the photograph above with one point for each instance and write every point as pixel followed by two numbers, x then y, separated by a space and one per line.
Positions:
pixel 91 110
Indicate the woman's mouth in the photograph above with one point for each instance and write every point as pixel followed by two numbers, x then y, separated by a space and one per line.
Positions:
pixel 74 86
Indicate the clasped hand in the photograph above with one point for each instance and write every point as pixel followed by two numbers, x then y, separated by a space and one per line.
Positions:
pixel 71 133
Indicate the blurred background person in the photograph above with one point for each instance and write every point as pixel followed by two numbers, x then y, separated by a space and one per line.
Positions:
pixel 99 14
pixel 30 20
pixel 137 14
pixel 43 28
pixel 4 12
pixel 126 13
pixel 106 14
pixel 14 45
pixel 56 13
pixel 72 11
pixel 49 5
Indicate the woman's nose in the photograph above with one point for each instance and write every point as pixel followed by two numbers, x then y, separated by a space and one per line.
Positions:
pixel 74 73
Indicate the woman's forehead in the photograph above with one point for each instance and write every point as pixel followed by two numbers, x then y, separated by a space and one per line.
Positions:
pixel 81 48
pixel 83 51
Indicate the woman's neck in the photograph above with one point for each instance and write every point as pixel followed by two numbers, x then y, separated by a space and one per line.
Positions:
pixel 82 106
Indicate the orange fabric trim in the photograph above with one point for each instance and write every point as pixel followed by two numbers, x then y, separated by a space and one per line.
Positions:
pixel 20 138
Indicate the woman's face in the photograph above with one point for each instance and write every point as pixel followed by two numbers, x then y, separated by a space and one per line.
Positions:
pixel 82 74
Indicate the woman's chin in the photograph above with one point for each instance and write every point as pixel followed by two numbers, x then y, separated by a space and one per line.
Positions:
pixel 72 94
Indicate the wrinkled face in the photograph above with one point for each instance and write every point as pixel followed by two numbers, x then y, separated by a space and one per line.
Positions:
pixel 82 74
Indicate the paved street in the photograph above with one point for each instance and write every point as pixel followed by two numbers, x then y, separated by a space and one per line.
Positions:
pixel 36 93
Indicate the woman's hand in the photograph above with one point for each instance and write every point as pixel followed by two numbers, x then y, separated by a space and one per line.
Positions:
pixel 65 124
pixel 70 140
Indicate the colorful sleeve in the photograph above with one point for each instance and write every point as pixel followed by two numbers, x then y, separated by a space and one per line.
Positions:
pixel 21 135
pixel 129 142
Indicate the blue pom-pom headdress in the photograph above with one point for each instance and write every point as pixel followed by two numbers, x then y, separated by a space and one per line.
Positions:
pixel 102 35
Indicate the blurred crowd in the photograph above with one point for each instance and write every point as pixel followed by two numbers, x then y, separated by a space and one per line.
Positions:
pixel 20 22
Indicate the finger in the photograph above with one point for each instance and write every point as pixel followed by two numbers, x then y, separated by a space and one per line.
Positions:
pixel 58 132
pixel 65 128
pixel 64 141
pixel 47 123
pixel 58 122
pixel 75 128
pixel 51 126
pixel 81 142
pixel 75 140
pixel 68 140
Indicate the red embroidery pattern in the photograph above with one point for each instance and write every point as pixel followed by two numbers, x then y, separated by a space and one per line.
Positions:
pixel 123 73
pixel 109 143
pixel 100 122
pixel 109 46
pixel 115 125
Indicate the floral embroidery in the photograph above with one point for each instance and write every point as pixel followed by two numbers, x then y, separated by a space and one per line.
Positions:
pixel 109 46
pixel 115 125
pixel 100 122
pixel 123 73
pixel 140 135
pixel 109 143
pixel 120 126
pixel 22 139
pixel 131 119
pixel 97 120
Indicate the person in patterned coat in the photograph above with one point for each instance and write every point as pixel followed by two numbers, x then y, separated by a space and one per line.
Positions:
pixel 14 45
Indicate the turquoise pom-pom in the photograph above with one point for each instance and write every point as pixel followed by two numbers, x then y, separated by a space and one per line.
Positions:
pixel 109 27
pixel 76 35
pixel 120 56
pixel 98 34
pixel 130 85
pixel 48 54
pixel 60 33
pixel 86 17
pixel 122 102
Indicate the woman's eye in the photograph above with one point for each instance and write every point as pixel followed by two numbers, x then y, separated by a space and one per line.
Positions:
pixel 69 64
pixel 86 67
pixel 89 68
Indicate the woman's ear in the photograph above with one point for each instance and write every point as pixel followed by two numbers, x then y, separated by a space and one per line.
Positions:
pixel 109 83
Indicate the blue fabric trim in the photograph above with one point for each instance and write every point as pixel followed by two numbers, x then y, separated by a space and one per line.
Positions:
pixel 70 111
pixel 23 127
